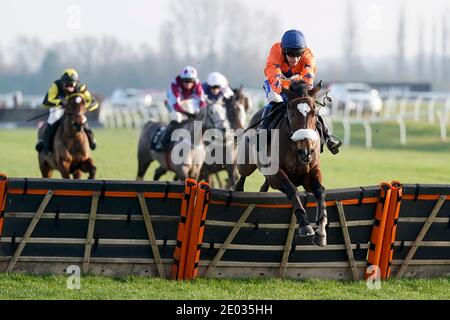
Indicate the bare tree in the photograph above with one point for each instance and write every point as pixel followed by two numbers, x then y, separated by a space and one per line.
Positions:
pixel 420 60
pixel 434 54
pixel 350 46
pixel 401 35
pixel 444 62
pixel 27 54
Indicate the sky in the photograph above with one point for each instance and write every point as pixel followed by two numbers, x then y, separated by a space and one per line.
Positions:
pixel 138 21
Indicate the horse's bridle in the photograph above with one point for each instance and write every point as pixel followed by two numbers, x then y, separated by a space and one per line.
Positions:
pixel 69 113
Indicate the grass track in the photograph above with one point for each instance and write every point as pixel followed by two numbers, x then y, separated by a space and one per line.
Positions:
pixel 15 286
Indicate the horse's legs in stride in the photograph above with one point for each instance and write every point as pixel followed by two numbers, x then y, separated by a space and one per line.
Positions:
pixel 281 182
pixel 142 168
pixel 77 174
pixel 240 184
pixel 321 214
pixel 158 173
pixel 232 174
pixel 88 166
pixel 46 170
pixel 64 168
pixel 265 186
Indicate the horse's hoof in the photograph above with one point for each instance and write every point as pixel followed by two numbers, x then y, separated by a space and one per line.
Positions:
pixel 306 231
pixel 319 240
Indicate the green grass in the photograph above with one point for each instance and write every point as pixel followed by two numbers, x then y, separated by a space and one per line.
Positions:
pixel 16 286
pixel 423 160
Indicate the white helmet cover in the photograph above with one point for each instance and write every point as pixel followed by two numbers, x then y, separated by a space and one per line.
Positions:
pixel 217 79
pixel 189 73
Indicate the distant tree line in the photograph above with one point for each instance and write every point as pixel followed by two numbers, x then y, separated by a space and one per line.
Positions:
pixel 214 36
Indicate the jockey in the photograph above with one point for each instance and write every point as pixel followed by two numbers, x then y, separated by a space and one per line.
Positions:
pixel 217 87
pixel 55 99
pixel 186 86
pixel 290 60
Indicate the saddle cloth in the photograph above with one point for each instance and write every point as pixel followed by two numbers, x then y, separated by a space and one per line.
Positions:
pixel 157 137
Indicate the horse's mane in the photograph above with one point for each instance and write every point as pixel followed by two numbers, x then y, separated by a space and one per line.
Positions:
pixel 300 88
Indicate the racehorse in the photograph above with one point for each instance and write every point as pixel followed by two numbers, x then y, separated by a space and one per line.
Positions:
pixel 70 148
pixel 298 159
pixel 212 116
pixel 236 107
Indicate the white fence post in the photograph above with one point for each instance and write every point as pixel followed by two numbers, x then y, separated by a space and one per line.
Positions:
pixel 431 106
pixel 443 124
pixel 402 127
pixel 347 131
pixel 368 130
pixel 417 105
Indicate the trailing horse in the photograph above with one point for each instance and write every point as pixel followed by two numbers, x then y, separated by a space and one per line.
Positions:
pixel 298 159
pixel 236 107
pixel 70 148
pixel 212 116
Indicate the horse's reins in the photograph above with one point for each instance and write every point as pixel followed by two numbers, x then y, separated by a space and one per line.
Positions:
pixel 324 102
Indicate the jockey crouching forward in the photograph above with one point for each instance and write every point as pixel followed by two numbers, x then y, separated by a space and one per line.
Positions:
pixel 217 87
pixel 55 98
pixel 186 86
pixel 290 60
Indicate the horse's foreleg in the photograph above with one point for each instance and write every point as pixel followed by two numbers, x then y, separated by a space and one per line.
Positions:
pixel 315 186
pixel 64 168
pixel 240 184
pixel 232 174
pixel 88 166
pixel 143 165
pixel 282 182
pixel 158 173
pixel 77 174
pixel 265 186
pixel 45 168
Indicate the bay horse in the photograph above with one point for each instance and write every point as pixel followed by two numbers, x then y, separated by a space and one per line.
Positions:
pixel 70 147
pixel 212 116
pixel 299 163
pixel 236 107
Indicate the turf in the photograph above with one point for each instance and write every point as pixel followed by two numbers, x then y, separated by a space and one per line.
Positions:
pixel 424 159
pixel 17 286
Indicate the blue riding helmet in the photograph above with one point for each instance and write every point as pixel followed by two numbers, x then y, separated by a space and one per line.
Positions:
pixel 293 39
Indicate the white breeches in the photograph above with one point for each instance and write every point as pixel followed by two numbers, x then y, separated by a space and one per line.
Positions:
pixel 55 115
pixel 190 106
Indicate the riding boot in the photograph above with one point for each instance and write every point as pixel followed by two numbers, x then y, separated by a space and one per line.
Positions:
pixel 164 142
pixel 90 135
pixel 44 145
pixel 332 141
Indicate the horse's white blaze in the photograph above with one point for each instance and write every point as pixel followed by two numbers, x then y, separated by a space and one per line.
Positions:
pixel 303 108
pixel 78 100
pixel 305 134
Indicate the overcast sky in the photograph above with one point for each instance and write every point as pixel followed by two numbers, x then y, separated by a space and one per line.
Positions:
pixel 138 21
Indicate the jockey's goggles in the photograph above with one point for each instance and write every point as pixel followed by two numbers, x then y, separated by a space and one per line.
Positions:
pixel 69 85
pixel 294 53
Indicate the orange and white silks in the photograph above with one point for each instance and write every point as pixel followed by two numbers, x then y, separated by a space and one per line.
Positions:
pixel 277 68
